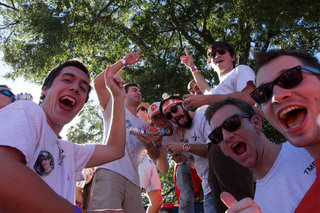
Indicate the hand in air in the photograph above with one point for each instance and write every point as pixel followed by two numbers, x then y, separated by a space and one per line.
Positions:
pixel 187 59
pixel 114 83
pixel 132 58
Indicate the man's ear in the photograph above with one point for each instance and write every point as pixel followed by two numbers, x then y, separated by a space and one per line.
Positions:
pixel 257 123
pixel 44 90
pixel 233 57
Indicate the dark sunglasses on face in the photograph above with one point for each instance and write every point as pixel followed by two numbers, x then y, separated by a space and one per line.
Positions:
pixel 173 109
pixel 213 53
pixel 6 92
pixel 231 124
pixel 287 80
pixel 142 108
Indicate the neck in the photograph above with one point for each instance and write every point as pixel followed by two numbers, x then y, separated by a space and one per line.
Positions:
pixel 268 155
pixel 132 108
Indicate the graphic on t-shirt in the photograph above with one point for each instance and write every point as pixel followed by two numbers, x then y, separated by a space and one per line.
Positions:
pixel 44 164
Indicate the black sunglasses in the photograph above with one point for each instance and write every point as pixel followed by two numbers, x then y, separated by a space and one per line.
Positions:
pixel 230 124
pixel 142 108
pixel 287 80
pixel 173 109
pixel 7 92
pixel 213 53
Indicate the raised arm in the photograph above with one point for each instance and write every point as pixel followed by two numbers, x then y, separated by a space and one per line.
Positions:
pixel 114 148
pixel 99 82
pixel 188 61
pixel 193 101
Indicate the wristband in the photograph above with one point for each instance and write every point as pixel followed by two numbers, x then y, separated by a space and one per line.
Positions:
pixel 124 62
pixel 194 68
pixel 158 146
pixel 76 209
pixel 149 149
pixel 186 161
pixel 194 72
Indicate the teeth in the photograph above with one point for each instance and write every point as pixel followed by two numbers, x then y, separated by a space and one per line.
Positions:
pixel 234 145
pixel 283 114
pixel 73 102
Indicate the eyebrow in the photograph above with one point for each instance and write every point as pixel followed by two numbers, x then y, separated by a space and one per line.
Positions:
pixel 73 75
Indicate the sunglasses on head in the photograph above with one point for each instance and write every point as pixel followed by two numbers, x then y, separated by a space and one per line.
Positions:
pixel 230 124
pixel 213 53
pixel 287 80
pixel 173 109
pixel 6 92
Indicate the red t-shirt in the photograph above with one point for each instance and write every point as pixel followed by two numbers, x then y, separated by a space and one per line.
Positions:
pixel 311 200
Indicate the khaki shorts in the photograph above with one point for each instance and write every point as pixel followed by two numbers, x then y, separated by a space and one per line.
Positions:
pixel 113 191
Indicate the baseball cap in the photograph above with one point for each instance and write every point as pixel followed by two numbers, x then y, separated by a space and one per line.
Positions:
pixel 154 109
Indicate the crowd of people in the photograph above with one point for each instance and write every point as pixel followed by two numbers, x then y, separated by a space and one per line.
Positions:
pixel 214 136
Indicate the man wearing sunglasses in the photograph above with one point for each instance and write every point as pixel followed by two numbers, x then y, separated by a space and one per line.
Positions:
pixel 195 130
pixel 288 90
pixel 238 131
pixel 5 96
pixel 236 82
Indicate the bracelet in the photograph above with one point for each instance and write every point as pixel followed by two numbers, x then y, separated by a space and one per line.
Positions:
pixel 150 147
pixel 158 146
pixel 124 62
pixel 194 68
pixel 194 72
pixel 186 161
pixel 76 209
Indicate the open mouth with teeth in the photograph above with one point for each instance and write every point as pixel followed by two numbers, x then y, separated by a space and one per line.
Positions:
pixel 67 103
pixel 219 61
pixel 293 116
pixel 239 148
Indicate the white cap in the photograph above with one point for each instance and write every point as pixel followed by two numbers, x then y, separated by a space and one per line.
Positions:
pixel 154 108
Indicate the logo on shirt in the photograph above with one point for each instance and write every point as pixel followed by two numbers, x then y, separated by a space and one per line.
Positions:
pixel 44 163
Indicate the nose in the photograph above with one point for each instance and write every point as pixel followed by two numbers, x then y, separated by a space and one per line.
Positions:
pixel 74 87
pixel 280 94
pixel 227 136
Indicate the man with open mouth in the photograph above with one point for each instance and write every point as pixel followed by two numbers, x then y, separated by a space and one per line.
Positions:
pixel 36 165
pixel 235 82
pixel 238 131
pixel 288 90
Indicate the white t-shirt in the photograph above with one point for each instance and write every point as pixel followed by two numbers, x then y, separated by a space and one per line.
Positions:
pixel 23 126
pixel 234 81
pixel 198 134
pixel 127 166
pixel 292 174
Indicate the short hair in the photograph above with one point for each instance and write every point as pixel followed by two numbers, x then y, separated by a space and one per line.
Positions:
pixel 6 86
pixel 262 58
pixel 190 83
pixel 220 44
pixel 243 106
pixel 57 70
pixel 127 86
pixel 165 100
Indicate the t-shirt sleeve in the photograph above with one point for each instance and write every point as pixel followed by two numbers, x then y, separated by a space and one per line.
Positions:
pixel 244 75
pixel 83 154
pixel 20 128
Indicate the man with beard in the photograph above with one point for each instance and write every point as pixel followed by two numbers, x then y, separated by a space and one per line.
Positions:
pixel 238 131
pixel 195 130
pixel 288 90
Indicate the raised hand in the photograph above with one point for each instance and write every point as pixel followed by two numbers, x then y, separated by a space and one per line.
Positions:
pixel 187 59
pixel 132 58
pixel 246 205
pixel 114 83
